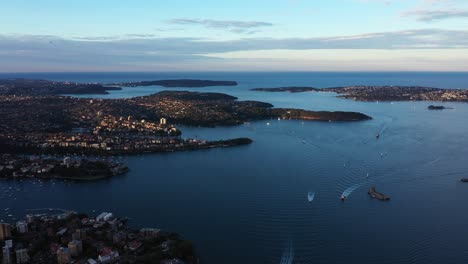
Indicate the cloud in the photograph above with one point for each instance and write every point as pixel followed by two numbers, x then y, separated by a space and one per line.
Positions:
pixel 29 52
pixel 231 25
pixel 433 15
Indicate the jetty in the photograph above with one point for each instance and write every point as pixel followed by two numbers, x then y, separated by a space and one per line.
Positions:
pixel 374 194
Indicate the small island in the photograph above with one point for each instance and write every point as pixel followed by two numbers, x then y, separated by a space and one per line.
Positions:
pixel 61 236
pixel 436 107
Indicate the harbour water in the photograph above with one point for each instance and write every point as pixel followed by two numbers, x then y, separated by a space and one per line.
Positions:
pixel 249 204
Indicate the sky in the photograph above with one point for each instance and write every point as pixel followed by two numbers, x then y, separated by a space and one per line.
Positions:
pixel 241 35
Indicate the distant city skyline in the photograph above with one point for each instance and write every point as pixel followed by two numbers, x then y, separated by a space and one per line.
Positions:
pixel 280 35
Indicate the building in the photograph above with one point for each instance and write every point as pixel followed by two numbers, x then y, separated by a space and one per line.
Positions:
pixel 172 261
pixel 163 121
pixel 76 248
pixel 5 231
pixel 6 255
pixel 76 236
pixel 67 162
pixel 150 232
pixel 135 246
pixel 101 216
pixel 119 237
pixel 22 256
pixel 63 256
pixel 108 256
pixel 108 217
pixel 104 216
pixel 82 233
pixel 30 218
pixel 61 232
pixel 22 227
pixel 9 243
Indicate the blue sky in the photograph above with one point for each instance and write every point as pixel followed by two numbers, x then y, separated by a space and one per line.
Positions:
pixel 276 35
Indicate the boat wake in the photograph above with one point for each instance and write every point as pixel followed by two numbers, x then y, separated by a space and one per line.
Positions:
pixel 288 254
pixel 350 190
pixel 434 161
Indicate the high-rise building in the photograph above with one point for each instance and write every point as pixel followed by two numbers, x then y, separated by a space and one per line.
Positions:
pixel 6 255
pixel 30 218
pixel 63 256
pixel 22 256
pixel 5 231
pixel 75 247
pixel 22 227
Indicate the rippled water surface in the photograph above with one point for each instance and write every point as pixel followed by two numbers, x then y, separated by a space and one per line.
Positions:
pixel 250 204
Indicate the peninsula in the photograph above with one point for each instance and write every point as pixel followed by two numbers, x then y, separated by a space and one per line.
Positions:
pixel 77 169
pixel 383 93
pixel 66 125
pixel 61 236
pixel 45 87
pixel 399 93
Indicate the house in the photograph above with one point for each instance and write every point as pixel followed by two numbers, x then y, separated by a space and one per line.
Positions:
pixel 108 255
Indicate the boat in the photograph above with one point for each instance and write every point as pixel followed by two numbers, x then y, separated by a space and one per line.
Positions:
pixel 377 136
pixel 310 196
pixel 377 195
pixel 343 197
pixel 464 180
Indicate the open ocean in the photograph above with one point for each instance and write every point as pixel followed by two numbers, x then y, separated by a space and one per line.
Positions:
pixel 249 204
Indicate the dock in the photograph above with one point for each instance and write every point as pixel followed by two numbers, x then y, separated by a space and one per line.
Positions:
pixel 374 194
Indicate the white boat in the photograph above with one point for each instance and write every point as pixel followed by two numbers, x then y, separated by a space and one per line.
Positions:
pixel 311 196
